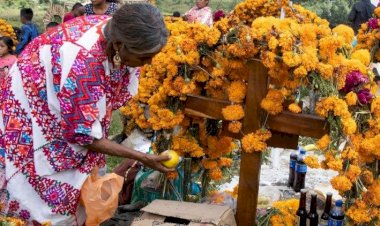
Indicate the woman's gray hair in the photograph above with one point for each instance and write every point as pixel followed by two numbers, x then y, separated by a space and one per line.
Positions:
pixel 140 27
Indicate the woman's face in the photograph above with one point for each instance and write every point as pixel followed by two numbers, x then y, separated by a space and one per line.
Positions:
pixel 98 2
pixel 3 48
pixel 135 60
pixel 202 3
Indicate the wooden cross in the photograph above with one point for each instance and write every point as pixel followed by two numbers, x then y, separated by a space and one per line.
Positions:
pixel 285 128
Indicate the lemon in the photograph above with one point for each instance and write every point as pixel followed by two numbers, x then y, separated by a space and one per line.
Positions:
pixel 173 161
pixel 311 147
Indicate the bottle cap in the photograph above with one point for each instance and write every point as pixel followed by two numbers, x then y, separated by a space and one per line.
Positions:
pixel 312 193
pixel 339 203
pixel 329 194
pixel 302 151
pixel 304 190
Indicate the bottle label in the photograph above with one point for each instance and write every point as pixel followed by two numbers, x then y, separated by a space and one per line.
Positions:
pixel 292 164
pixel 301 168
pixel 323 222
pixel 333 222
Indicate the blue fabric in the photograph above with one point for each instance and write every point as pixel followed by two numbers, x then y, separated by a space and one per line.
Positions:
pixel 28 33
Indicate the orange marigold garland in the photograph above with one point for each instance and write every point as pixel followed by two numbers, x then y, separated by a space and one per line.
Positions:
pixel 256 141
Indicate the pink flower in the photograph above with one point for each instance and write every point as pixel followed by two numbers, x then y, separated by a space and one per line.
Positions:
pixel 353 80
pixel 364 96
pixel 373 23
pixel 219 14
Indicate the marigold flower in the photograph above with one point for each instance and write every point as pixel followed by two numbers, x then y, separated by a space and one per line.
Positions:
pixel 172 175
pixel 237 91
pixel 373 194
pixel 359 212
pixel 233 112
pixel 367 177
pixel 362 55
pixel 294 108
pixel 324 142
pixel 255 141
pixel 272 103
pixel 234 127
pixel 224 162
pixel 335 164
pixel 353 173
pixel 351 98
pixel 209 164
pixel 236 191
pixel 215 174
pixel 346 32
pixel 312 162
pixel 341 183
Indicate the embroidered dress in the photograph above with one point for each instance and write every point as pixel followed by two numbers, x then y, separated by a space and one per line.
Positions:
pixel 89 9
pixel 203 16
pixel 57 100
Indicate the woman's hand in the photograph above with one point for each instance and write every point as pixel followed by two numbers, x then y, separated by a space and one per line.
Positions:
pixel 111 148
pixel 154 162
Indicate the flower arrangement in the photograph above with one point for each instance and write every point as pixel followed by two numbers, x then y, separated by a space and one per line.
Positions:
pixel 300 52
pixel 7 30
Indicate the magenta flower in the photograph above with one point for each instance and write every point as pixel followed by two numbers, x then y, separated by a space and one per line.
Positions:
pixel 353 80
pixel 364 96
pixel 219 14
pixel 373 23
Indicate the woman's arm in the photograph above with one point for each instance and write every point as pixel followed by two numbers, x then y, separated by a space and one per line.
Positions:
pixel 112 148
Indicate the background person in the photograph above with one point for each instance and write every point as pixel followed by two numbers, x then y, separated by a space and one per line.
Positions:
pixel 59 100
pixel 360 13
pixel 76 10
pixel 7 59
pixel 100 7
pixel 29 30
pixel 200 13
pixel 51 25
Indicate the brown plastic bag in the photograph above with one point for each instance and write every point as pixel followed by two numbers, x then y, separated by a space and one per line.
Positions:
pixel 99 196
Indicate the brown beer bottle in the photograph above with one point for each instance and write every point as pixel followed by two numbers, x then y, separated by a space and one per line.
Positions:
pixel 301 212
pixel 313 217
pixel 326 213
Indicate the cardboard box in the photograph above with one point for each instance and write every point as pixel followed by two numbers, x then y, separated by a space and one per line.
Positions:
pixel 173 213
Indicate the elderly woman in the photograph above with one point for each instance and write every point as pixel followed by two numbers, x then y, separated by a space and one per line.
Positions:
pixel 100 7
pixel 200 13
pixel 56 107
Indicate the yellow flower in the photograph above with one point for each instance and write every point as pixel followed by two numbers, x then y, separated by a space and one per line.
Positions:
pixel 335 164
pixel 353 173
pixel 233 112
pixel 209 164
pixel 359 212
pixel 367 177
pixel 237 91
pixel 291 59
pixel 256 141
pixel 341 183
pixel 377 12
pixel 325 70
pixel 294 108
pixel 312 162
pixel 272 103
pixel 215 174
pixel 351 98
pixel 324 142
pixel 373 194
pixel 346 32
pixel 234 127
pixel 225 162
pixel 362 55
